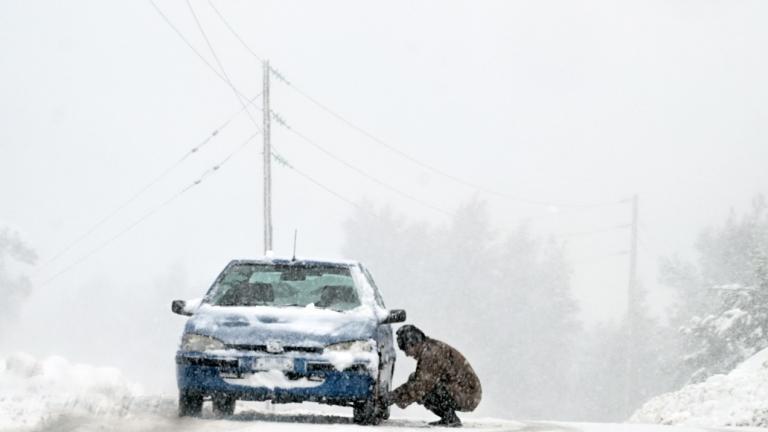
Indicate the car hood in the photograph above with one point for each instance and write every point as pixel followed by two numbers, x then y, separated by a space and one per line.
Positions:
pixel 291 326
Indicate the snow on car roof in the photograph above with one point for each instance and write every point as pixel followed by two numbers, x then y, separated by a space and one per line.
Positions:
pixel 302 261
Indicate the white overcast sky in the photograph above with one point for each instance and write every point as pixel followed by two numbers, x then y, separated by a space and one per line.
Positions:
pixel 561 101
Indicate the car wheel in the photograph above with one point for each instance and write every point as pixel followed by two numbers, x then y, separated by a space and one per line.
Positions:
pixel 190 404
pixel 366 412
pixel 371 411
pixel 223 405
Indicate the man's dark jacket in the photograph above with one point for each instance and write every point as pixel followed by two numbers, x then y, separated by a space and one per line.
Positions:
pixel 439 363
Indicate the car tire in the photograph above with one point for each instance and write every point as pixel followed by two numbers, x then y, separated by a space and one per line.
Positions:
pixel 223 405
pixel 190 404
pixel 371 411
pixel 366 412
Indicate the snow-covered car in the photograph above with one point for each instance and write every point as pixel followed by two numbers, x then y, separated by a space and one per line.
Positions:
pixel 288 331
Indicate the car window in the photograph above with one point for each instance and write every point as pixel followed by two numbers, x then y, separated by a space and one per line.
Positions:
pixel 325 286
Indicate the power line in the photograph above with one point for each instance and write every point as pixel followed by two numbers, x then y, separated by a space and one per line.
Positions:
pixel 229 83
pixel 232 30
pixel 438 171
pixel 282 161
pixel 149 214
pixel 189 44
pixel 396 150
pixel 218 62
pixel 106 218
pixel 308 140
pixel 362 172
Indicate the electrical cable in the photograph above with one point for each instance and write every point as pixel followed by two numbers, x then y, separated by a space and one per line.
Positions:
pixel 349 123
pixel 305 138
pixel 440 172
pixel 106 218
pixel 189 44
pixel 232 30
pixel 396 150
pixel 282 161
pixel 148 214
pixel 362 172
pixel 229 83
pixel 218 62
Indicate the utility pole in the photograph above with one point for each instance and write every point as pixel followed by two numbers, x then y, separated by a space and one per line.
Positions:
pixel 633 298
pixel 267 164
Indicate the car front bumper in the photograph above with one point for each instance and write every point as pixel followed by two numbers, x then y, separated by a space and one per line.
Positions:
pixel 227 375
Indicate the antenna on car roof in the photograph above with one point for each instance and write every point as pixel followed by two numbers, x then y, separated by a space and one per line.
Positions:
pixel 295 234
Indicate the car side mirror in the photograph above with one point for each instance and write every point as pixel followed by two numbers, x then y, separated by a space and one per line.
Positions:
pixel 394 316
pixel 186 307
pixel 180 307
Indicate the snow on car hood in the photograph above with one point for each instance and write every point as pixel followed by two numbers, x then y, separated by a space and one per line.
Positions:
pixel 292 326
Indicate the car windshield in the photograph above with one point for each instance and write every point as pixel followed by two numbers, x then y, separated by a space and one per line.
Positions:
pixel 325 286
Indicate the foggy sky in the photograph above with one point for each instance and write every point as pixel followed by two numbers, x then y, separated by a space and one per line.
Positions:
pixel 556 101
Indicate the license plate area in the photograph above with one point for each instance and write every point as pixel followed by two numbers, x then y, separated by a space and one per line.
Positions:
pixel 284 364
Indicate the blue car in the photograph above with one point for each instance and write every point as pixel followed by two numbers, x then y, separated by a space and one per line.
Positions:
pixel 288 331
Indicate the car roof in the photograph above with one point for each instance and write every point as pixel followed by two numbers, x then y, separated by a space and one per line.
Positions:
pixel 298 262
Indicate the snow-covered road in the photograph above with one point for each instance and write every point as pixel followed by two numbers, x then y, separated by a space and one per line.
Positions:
pixel 261 417
pixel 286 421
pixel 54 395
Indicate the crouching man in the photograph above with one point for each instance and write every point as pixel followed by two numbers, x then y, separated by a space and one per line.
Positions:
pixel 444 382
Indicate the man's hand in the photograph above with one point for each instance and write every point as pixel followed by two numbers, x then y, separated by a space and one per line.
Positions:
pixel 391 399
pixel 386 399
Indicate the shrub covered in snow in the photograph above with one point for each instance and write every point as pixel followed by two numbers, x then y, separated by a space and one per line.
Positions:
pixel 739 398
pixel 33 392
pixel 723 298
pixel 734 333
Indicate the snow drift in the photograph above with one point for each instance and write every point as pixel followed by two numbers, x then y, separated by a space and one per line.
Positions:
pixel 35 392
pixel 739 398
pixel 53 395
pixel 56 395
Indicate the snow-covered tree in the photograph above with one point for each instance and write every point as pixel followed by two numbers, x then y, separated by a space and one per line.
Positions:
pixel 733 333
pixel 724 298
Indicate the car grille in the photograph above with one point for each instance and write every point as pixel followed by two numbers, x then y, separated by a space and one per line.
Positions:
pixel 263 348
pixel 201 361
pixel 327 367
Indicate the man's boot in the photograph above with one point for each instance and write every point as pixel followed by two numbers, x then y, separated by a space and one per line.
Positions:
pixel 442 404
pixel 448 419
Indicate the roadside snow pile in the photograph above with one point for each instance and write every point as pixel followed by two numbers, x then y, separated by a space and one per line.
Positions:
pixel 34 392
pixel 737 399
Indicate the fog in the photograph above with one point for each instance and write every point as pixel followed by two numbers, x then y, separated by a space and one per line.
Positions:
pixel 515 118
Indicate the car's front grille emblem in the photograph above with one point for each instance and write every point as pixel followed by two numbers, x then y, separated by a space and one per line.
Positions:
pixel 274 347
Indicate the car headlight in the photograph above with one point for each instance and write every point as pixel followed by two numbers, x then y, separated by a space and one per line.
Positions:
pixel 358 345
pixel 196 342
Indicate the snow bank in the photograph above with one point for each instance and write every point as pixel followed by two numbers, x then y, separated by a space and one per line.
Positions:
pixel 34 392
pixel 737 399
